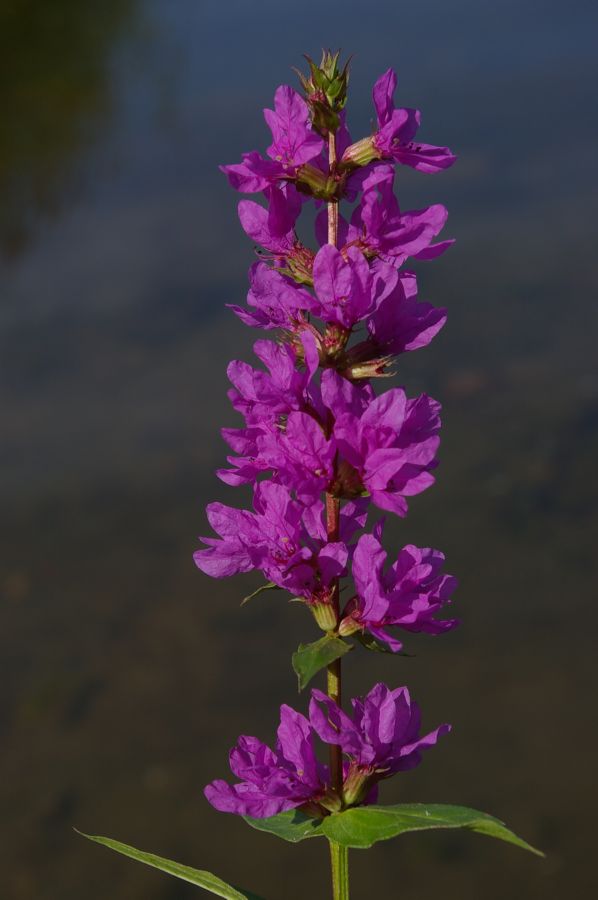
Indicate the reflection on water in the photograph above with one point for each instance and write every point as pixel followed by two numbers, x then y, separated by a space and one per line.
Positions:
pixel 126 673
pixel 55 94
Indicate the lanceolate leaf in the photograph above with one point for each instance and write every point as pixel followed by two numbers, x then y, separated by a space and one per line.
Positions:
pixel 366 825
pixel 205 880
pixel 308 659
pixel 291 826
pixel 370 643
pixel 269 586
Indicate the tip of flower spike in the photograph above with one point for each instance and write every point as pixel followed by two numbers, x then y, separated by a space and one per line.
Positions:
pixel 325 89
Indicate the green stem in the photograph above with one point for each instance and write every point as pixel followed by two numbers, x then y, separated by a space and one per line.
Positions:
pixel 339 863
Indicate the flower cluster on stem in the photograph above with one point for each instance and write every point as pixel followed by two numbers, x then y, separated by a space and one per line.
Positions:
pixel 322 446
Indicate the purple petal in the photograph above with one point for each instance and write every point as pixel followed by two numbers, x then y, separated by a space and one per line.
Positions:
pixel 333 725
pixel 383 93
pixel 332 561
pixel 295 739
pixel 253 174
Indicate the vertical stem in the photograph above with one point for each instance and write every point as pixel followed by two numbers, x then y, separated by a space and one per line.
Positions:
pixel 333 205
pixel 333 506
pixel 333 518
pixel 339 856
pixel 339 863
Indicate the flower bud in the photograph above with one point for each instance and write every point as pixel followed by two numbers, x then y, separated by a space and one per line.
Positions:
pixel 357 784
pixel 360 153
pixel 372 368
pixel 348 626
pixel 325 91
pixel 325 615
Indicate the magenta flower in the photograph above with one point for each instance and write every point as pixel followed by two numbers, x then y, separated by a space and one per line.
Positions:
pixel 379 739
pixel 262 397
pixel 298 452
pixel 274 539
pixel 272 781
pixel 382 446
pixel 400 324
pixel 347 289
pixel 274 301
pixel 390 448
pixel 409 594
pixel 394 137
pixel 380 228
pixel 273 227
pixel 293 143
pixel 398 127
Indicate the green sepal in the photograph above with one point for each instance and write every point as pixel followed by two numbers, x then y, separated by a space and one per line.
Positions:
pixel 364 826
pixel 269 586
pixel 370 643
pixel 202 879
pixel 309 659
pixel 291 826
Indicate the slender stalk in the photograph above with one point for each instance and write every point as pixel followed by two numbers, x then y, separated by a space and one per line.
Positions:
pixel 333 205
pixel 339 864
pixel 333 672
pixel 333 519
pixel 339 856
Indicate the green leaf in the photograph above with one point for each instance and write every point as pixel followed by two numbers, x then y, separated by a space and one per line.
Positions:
pixel 366 825
pixel 291 826
pixel 269 586
pixel 205 880
pixel 308 659
pixel 370 643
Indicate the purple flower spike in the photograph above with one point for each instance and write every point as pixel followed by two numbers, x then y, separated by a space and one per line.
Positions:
pixel 272 781
pixel 379 739
pixel 319 445
pixel 408 595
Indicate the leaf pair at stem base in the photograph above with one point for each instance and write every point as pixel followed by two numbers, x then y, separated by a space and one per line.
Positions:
pixel 360 828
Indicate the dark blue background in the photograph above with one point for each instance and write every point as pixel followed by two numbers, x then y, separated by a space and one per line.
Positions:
pixel 127 674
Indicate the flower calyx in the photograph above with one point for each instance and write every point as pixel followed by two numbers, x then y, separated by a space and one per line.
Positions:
pixel 334 341
pixel 325 613
pixel 348 483
pixel 361 153
pixel 318 184
pixel 358 784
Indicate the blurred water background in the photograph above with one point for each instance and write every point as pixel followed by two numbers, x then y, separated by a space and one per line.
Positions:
pixel 127 674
